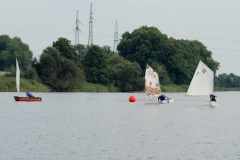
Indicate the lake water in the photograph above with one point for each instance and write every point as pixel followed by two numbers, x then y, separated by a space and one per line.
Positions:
pixel 95 126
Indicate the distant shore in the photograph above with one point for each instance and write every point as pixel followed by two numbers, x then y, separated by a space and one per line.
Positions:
pixel 8 84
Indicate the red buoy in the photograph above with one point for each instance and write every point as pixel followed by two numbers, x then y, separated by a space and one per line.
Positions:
pixel 132 99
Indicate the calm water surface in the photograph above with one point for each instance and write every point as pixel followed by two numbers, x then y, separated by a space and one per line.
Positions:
pixel 73 126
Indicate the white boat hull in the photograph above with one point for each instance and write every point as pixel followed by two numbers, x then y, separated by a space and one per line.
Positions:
pixel 212 103
pixel 169 100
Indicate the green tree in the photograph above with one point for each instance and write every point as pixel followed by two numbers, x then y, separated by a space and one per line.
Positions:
pixel 179 57
pixel 66 49
pixel 107 50
pixel 94 63
pixel 228 81
pixel 124 74
pixel 213 65
pixel 12 48
pixel 162 73
pixel 143 45
pixel 222 80
pixel 31 74
pixel 176 62
pixel 58 72
pixel 81 50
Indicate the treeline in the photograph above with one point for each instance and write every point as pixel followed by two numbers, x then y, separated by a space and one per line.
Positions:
pixel 175 60
pixel 227 81
pixel 65 67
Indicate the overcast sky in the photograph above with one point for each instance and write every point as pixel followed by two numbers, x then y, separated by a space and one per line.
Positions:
pixel 215 23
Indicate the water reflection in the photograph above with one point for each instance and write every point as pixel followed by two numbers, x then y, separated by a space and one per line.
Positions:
pixel 152 104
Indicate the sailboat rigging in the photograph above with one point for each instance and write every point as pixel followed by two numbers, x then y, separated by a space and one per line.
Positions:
pixel 202 83
pixel 17 98
pixel 17 76
pixel 152 85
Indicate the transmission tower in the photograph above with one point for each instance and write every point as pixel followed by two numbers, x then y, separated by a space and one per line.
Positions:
pixel 115 38
pixel 77 30
pixel 90 37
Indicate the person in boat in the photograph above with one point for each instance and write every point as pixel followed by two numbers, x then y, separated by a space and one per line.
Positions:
pixel 162 97
pixel 29 95
pixel 212 97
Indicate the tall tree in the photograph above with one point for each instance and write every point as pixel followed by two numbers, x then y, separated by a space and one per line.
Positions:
pixel 124 74
pixel 143 45
pixel 81 50
pixel 12 48
pixel 58 72
pixel 162 73
pixel 179 57
pixel 107 50
pixel 66 49
pixel 228 81
pixel 94 63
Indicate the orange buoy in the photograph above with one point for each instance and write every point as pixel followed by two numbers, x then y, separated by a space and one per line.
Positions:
pixel 132 99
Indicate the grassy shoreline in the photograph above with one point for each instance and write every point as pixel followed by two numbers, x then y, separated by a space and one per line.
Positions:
pixel 8 84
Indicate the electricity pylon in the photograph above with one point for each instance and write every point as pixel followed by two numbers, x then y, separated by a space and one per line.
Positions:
pixel 115 38
pixel 90 37
pixel 77 30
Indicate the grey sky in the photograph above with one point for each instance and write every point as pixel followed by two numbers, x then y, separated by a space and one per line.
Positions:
pixel 212 22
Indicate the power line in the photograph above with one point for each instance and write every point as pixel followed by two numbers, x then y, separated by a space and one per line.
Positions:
pixel 116 15
pixel 39 28
pixel 108 36
pixel 225 49
pixel 226 55
pixel 127 25
pixel 129 18
pixel 123 26
pixel 158 17
pixel 172 24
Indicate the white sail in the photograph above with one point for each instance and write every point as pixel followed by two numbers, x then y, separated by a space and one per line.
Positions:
pixel 17 76
pixel 202 81
pixel 152 85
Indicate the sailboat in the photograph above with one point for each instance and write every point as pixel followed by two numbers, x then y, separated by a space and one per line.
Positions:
pixel 152 85
pixel 202 83
pixel 17 98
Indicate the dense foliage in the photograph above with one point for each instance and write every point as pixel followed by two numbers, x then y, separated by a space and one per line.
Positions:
pixel 95 67
pixel 59 66
pixel 66 49
pixel 125 75
pixel 179 57
pixel 63 66
pixel 80 49
pixel 12 48
pixel 228 81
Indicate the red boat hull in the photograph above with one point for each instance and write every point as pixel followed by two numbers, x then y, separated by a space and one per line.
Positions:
pixel 26 99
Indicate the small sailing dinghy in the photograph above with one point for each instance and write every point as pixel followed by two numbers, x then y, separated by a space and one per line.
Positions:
pixel 17 98
pixel 202 83
pixel 152 85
